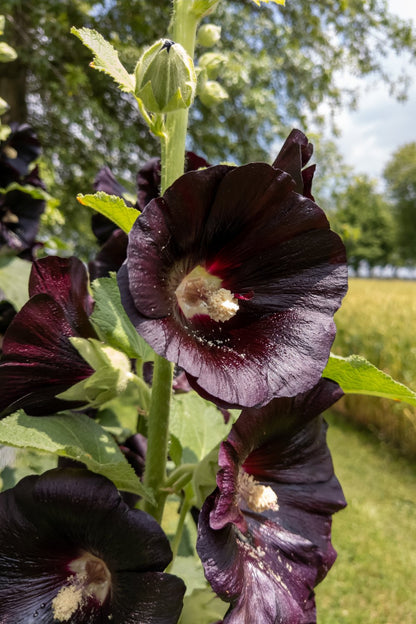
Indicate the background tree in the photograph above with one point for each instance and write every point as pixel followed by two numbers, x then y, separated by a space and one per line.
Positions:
pixel 279 65
pixel 364 220
pixel 400 175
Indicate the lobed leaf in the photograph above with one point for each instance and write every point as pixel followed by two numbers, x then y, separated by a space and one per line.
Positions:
pixel 75 436
pixel 356 375
pixel 112 323
pixel 112 207
pixel 197 424
pixel 14 280
pixel 105 58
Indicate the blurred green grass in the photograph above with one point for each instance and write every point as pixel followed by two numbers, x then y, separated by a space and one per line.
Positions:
pixel 373 580
pixel 378 320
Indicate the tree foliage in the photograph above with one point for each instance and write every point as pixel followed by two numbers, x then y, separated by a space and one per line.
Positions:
pixel 278 65
pixel 364 220
pixel 400 175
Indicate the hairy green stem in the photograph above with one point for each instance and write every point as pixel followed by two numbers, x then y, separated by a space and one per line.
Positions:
pixel 158 435
pixel 172 141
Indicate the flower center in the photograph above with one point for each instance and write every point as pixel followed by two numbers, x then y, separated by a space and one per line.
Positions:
pixel 91 579
pixel 256 496
pixel 201 293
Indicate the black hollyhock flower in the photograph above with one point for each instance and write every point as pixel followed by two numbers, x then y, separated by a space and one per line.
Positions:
pixel 234 274
pixel 19 212
pixel 38 360
pixel 113 240
pixel 265 533
pixel 72 551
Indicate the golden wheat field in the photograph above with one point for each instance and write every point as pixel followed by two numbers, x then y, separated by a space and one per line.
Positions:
pixel 378 320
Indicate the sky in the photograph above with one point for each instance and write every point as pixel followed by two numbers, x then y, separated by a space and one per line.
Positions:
pixel 380 124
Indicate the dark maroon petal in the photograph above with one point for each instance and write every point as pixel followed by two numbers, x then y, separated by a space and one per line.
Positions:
pixel 66 280
pixel 148 182
pixel 47 523
pixel 267 560
pixel 148 177
pixel 271 248
pixel 111 255
pixel 294 155
pixel 19 215
pixel 38 359
pixel 106 182
pixel 153 598
pixel 17 152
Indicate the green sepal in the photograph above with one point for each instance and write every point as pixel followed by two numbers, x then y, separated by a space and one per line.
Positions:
pixel 165 78
pixel 112 207
pixel 112 373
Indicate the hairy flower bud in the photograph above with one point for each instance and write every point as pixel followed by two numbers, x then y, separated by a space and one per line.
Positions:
pixel 209 35
pixel 212 93
pixel 165 77
pixel 212 62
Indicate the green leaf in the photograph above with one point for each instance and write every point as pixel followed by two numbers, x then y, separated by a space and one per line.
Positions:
pixel 190 570
pixel 197 424
pixel 75 436
pixel 356 375
pixel 112 207
pixel 105 58
pixel 204 480
pixel 202 607
pixel 14 280
pixel 34 191
pixel 112 323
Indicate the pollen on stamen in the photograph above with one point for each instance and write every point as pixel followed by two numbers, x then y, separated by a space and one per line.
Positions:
pixel 201 292
pixel 67 601
pixel 256 496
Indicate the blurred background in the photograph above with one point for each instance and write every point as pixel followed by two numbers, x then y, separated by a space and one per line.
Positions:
pixel 344 72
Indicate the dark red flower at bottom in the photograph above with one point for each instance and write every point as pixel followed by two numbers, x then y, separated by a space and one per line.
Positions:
pixel 72 551
pixel 265 533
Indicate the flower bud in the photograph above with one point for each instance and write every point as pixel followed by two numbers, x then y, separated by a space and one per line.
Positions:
pixel 165 77
pixel 7 53
pixel 3 106
pixel 212 63
pixel 209 35
pixel 212 93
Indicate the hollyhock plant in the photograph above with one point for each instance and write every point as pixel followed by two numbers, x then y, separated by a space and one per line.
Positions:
pixel 38 360
pixel 234 274
pixel 72 551
pixel 265 533
pixel 19 211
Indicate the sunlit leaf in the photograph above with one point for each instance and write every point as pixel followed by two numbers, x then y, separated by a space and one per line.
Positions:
pixel 14 280
pixel 356 375
pixel 75 436
pixel 112 207
pixel 105 58
pixel 112 323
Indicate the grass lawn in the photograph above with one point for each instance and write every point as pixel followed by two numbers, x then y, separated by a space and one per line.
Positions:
pixel 374 577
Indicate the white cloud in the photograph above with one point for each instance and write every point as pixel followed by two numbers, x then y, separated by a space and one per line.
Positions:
pixel 381 124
